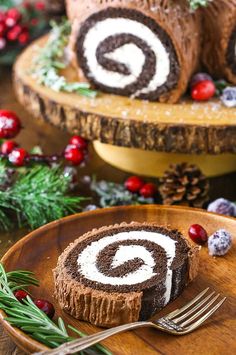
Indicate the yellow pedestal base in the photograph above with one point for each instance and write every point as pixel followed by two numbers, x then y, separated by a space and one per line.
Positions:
pixel 154 164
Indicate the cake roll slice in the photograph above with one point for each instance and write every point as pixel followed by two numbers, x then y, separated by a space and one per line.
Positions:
pixel 219 45
pixel 142 49
pixel 123 273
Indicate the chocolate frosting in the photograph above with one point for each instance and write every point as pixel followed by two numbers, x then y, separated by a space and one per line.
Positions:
pixel 180 26
pixel 219 40
pixel 108 305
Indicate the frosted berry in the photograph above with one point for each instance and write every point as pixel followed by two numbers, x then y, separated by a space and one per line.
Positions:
pixel 18 156
pixel 134 184
pixel 198 234
pixel 219 243
pixel 228 97
pixel 10 124
pixel 20 295
pixel 46 307
pixel 197 78
pixel 74 155
pixel 8 146
pixel 148 190
pixel 14 14
pixel 79 142
pixel 222 206
pixel 203 91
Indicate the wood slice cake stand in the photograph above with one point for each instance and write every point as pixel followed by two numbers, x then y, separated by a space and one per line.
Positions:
pixel 136 136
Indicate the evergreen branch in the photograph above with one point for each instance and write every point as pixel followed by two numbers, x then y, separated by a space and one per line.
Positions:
pixel 37 197
pixel 112 194
pixel 51 59
pixel 30 319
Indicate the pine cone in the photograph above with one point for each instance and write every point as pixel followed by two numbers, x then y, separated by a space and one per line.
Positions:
pixel 184 184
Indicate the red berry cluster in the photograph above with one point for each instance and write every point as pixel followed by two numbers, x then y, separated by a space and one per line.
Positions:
pixel 44 305
pixel 202 87
pixel 137 185
pixel 10 126
pixel 15 25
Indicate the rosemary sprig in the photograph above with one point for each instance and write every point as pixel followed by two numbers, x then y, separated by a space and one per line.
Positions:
pixel 51 59
pixel 29 318
pixel 37 197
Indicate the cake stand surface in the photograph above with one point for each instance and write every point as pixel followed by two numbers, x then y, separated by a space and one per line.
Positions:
pixel 137 136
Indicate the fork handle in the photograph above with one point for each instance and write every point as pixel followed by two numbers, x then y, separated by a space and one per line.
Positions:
pixel 84 343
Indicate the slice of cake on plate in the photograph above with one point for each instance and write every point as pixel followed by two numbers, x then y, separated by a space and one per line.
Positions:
pixel 123 273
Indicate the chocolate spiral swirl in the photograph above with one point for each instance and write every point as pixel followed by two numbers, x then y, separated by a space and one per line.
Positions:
pixel 122 51
pixel 127 261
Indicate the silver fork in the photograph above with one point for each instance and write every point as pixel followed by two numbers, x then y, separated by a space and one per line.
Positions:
pixel 179 322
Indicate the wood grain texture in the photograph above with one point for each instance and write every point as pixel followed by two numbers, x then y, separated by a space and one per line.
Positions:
pixel 186 127
pixel 40 249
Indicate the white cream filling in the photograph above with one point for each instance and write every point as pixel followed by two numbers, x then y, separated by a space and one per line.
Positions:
pixel 88 258
pixel 126 54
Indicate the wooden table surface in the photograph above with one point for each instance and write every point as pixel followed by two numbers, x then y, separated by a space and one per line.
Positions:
pixel 53 140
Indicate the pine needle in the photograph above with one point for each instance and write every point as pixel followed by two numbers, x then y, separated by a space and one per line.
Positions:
pixel 37 197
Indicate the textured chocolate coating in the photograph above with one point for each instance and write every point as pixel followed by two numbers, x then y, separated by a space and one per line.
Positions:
pixel 110 305
pixel 113 42
pixel 180 31
pixel 219 40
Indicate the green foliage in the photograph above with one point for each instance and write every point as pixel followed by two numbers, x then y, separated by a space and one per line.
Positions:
pixel 195 4
pixel 37 197
pixel 51 59
pixel 29 318
pixel 112 194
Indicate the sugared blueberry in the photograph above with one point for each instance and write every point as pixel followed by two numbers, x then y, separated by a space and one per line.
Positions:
pixel 219 243
pixel 222 206
pixel 228 96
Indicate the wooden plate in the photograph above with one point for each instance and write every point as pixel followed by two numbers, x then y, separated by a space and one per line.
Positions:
pixel 39 251
pixel 186 127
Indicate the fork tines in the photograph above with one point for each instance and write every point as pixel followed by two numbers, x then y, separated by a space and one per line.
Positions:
pixel 197 310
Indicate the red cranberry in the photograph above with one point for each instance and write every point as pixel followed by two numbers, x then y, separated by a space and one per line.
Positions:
pixel 79 142
pixel 2 29
pixel 14 14
pixel 24 37
pixel 20 295
pixel 74 155
pixel 198 234
pixel 17 156
pixel 8 146
pixel 148 190
pixel 10 124
pixel 134 184
pixel 2 16
pixel 46 307
pixel 14 33
pixel 40 5
pixel 203 90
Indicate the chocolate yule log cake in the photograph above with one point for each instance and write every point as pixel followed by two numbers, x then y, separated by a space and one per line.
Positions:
pixel 219 40
pixel 142 49
pixel 123 273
